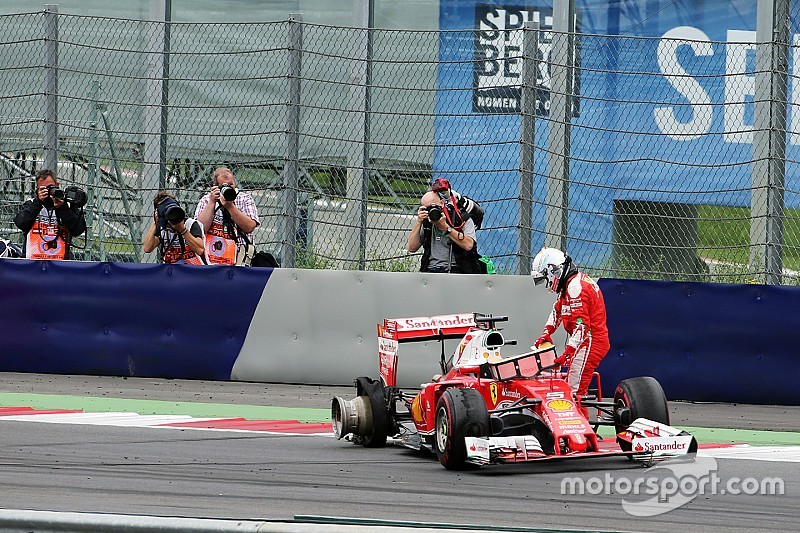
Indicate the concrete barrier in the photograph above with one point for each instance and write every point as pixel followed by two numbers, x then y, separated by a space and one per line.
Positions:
pixel 705 342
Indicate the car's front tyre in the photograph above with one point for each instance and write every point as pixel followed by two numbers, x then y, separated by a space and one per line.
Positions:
pixel 459 413
pixel 643 397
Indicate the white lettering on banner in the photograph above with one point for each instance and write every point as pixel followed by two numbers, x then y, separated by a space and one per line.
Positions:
pixel 684 83
pixel 685 123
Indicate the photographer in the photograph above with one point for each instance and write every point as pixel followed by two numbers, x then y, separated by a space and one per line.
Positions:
pixel 447 236
pixel 230 216
pixel 178 238
pixel 51 219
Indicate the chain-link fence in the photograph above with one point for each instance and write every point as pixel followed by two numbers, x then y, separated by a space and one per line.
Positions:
pixel 658 158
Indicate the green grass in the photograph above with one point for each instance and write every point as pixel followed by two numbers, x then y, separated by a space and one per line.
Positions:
pixel 724 235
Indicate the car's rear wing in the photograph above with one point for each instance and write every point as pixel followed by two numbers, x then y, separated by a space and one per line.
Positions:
pixel 393 331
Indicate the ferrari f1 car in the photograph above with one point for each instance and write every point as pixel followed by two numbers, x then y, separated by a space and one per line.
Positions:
pixel 487 409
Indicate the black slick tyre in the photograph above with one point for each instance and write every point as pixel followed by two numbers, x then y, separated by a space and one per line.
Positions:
pixel 459 413
pixel 379 408
pixel 645 398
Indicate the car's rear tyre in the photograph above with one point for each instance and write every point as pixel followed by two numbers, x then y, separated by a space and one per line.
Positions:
pixel 459 413
pixel 379 410
pixel 644 398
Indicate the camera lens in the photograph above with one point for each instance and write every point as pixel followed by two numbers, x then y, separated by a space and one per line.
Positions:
pixel 175 213
pixel 55 192
pixel 228 192
pixel 434 212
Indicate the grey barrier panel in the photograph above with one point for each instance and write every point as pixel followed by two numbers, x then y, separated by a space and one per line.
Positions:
pixel 320 326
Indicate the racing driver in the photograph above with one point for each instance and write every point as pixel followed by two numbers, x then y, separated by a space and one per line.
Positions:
pixel 582 311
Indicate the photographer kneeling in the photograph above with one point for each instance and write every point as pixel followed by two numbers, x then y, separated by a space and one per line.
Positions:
pixel 178 237
pixel 51 218
pixel 447 237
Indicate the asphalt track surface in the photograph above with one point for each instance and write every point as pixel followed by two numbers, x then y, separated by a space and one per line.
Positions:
pixel 221 474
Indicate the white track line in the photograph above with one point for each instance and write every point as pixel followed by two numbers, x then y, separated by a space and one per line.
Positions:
pixel 784 454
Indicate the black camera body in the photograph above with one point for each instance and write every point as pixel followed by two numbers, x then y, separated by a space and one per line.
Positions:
pixel 169 210
pixel 434 212
pixel 74 196
pixel 228 192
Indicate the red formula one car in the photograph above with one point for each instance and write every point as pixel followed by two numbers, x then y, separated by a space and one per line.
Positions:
pixel 486 409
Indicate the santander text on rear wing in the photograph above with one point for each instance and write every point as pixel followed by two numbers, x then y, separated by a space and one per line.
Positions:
pixel 393 331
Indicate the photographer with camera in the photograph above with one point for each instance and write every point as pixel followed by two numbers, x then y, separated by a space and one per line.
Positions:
pixel 52 218
pixel 445 233
pixel 178 238
pixel 230 216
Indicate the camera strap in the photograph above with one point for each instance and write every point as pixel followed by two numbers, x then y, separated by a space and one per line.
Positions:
pixel 232 228
pixel 175 237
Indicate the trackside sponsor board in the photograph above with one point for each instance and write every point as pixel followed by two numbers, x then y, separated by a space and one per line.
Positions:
pixel 663 103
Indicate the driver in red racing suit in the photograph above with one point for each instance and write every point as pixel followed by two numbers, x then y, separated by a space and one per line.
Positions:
pixel 581 310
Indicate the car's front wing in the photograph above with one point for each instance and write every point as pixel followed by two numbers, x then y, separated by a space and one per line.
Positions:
pixel 494 450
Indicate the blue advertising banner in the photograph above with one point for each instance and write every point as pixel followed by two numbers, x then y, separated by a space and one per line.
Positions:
pixel 663 110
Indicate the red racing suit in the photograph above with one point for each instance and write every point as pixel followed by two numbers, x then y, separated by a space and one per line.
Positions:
pixel 582 311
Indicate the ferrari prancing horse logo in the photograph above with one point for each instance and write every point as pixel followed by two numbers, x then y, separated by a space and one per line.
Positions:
pixel 493 392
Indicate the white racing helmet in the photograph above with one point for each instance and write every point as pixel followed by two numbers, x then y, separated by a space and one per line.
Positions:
pixel 548 266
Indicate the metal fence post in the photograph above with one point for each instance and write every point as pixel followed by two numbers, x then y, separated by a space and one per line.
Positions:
pixel 358 155
pixel 769 139
pixel 530 65
pixel 155 113
pixel 51 87
pixel 561 69
pixel 292 159
pixel 92 208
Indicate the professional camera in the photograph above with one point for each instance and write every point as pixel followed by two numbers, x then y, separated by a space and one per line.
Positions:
pixel 228 192
pixel 55 193
pixel 434 212
pixel 169 211
pixel 74 196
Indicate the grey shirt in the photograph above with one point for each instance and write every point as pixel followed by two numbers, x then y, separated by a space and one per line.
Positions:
pixel 441 246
